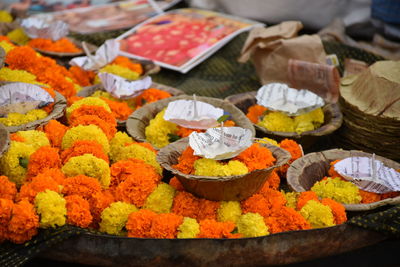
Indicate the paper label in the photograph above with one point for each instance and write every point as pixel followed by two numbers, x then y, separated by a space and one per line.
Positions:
pixel 22 97
pixel 369 175
pixel 293 102
pixel 332 60
pixel 193 114
pixel 121 88
pixel 209 144
pixel 104 55
pixel 39 28
pixel 321 79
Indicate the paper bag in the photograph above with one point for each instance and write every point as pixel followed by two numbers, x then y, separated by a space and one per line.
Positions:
pixel 271 48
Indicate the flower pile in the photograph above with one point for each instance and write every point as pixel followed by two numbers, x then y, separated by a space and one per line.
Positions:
pixel 62 45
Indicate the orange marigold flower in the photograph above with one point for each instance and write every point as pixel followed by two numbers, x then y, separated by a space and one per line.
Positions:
pixel 264 203
pixel 93 110
pixel 24 222
pixel 165 225
pixel 73 99
pixel 98 202
pixel 81 185
pixel 22 57
pixel 175 183
pixel 127 63
pixel 108 130
pixel 45 157
pixel 17 138
pixel 331 172
pixel 256 157
pixel 120 110
pixel 139 223
pixel 81 76
pixel 185 204
pixel 229 123
pixel 78 211
pixel 295 151
pixel 254 112
pixel 62 45
pixel 39 183
pixel 286 219
pixel 186 161
pixel 207 209
pixel 151 95
pixel 54 173
pixel 213 229
pixel 6 207
pixel 390 195
pixel 369 197
pixel 8 189
pixel 275 198
pixel 272 182
pixel 338 210
pixel 82 147
pixel 185 132
pixel 55 131
pixel 304 197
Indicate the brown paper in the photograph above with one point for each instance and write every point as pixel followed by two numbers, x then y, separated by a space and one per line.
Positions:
pixel 272 47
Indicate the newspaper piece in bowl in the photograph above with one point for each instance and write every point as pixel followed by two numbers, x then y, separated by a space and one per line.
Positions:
pixel 104 55
pixel 193 114
pixel 369 174
pixel 292 102
pixel 39 28
pixel 120 88
pixel 220 143
pixel 22 97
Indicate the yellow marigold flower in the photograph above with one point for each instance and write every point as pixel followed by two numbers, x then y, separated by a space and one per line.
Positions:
pixel 229 211
pixel 88 165
pixel 338 190
pixel 117 142
pixel 291 199
pixel 252 225
pixel 161 199
pixel 114 218
pixel 309 121
pixel 85 132
pixel 120 71
pixel 18 36
pixel 158 130
pixel 210 167
pixel 14 162
pixel 7 74
pixel 90 101
pixel 189 228
pixel 139 152
pixel 317 214
pixel 34 138
pixel 277 121
pixel 267 140
pixel 7 46
pixel 5 16
pixel 15 119
pixel 51 207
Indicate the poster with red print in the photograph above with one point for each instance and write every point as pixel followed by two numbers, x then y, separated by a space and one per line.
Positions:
pixel 181 39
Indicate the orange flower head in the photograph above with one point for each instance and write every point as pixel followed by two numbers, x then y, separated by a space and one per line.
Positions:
pixel 331 172
pixel 304 197
pixel 81 76
pixel 82 147
pixel 185 132
pixel 186 161
pixel 254 112
pixel 95 111
pixel 286 219
pixel 175 183
pixel 38 184
pixel 78 211
pixel 62 45
pixel 24 222
pixel 185 204
pixel 165 225
pixel 17 138
pixel 45 157
pixel 272 182
pixel 8 189
pixel 98 202
pixel 369 197
pixel 212 229
pixel 108 129
pixel 151 95
pixel 207 209
pixel 256 157
pixel 120 110
pixel 127 63
pixel 81 185
pixel 55 131
pixel 338 210
pixel 139 223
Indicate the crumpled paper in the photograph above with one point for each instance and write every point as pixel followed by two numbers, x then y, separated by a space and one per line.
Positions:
pixel 38 28
pixel 121 88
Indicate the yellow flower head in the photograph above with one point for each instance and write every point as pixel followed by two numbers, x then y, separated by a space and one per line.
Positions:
pixel 337 189
pixel 7 46
pixel 14 162
pixel 18 36
pixel 90 101
pixel 85 132
pixel 16 119
pixel 277 122
pixel 114 218
pixel 291 199
pixel 88 165
pixel 7 74
pixel 210 167
pixel 317 214
pixel 309 121
pixel 117 142
pixel 158 130
pixel 119 71
pixel 34 138
pixel 229 211
pixel 189 228
pixel 51 208
pixel 252 225
pixel 267 140
pixel 161 199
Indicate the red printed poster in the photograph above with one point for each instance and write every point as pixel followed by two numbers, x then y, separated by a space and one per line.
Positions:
pixel 180 39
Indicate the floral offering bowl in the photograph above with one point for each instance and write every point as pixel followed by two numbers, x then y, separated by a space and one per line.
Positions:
pixel 332 121
pixel 140 119
pixel 304 172
pixel 228 188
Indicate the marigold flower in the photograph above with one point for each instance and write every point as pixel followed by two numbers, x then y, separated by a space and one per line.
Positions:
pixel 38 184
pixel 277 122
pixel 189 228
pixel 185 132
pixel 55 131
pixel 83 77
pixel 291 199
pixel 165 225
pixel 338 210
pixel 88 165
pixel 54 173
pixel 317 214
pixel 45 157
pixel 207 209
pixel 369 197
pixel 211 167
pixel 114 217
pixel 331 171
pixel 304 197
pixel 337 189
pixel 88 101
pixel 34 138
pixel 139 223
pixel 118 70
pixel 252 225
pixel 6 207
pixel 255 112
pixel 175 183
pixel 185 204
pixel 98 202
pixel 78 211
pixel 295 151
pixel 286 219
pixel 151 95
pixel 8 189
pixel 390 195
pixel 6 44
pixel 158 130
pixel 264 203
pixel 186 161
pixel 17 138
pixel 120 110
pixel 212 229
pixel 15 119
pixel 10 75
pixel 256 157
pixel 108 130
pixel 62 45
pixel 24 222
pixel 272 182
pixel 118 142
pixel 127 63
pixel 161 199
pixel 18 36
pixel 51 207
pixel 85 132
pixel 82 147
pixel 229 211
pixel 81 185
pixel 98 111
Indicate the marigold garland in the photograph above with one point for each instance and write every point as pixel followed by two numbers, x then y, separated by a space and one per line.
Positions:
pixel 55 131
pixel 207 209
